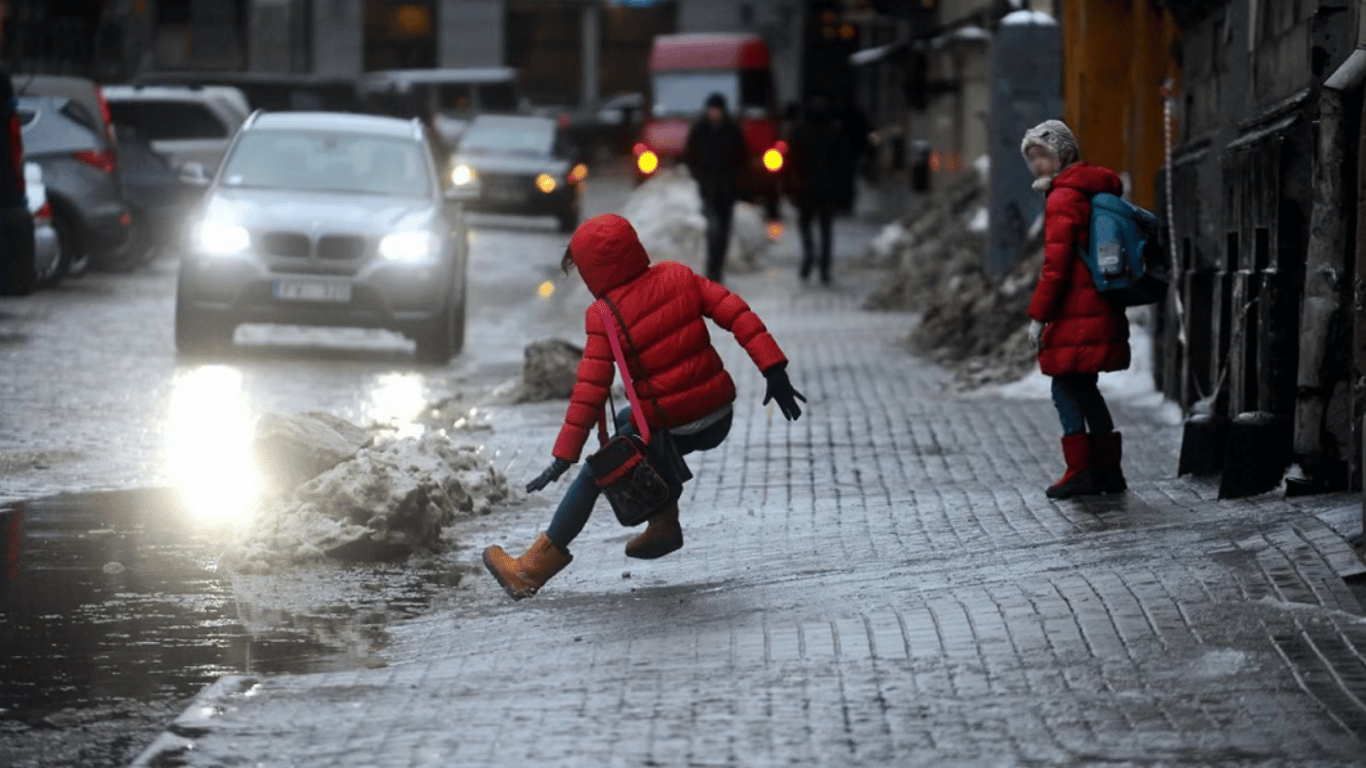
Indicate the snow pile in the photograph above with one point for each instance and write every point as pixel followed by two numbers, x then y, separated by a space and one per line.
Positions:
pixel 549 371
pixel 386 502
pixel 667 214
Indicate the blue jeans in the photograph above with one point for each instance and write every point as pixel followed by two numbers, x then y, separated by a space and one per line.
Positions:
pixel 577 504
pixel 1080 404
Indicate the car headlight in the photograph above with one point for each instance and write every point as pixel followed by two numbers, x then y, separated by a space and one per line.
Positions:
pixel 407 246
pixel 462 174
pixel 222 238
pixel 546 183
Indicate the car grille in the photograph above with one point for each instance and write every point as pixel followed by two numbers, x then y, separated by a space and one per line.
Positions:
pixel 507 187
pixel 328 254
pixel 341 247
pixel 289 244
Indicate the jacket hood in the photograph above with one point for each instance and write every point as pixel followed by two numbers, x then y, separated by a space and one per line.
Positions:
pixel 607 252
pixel 1089 179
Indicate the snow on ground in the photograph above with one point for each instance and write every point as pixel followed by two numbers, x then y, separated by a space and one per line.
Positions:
pixel 667 214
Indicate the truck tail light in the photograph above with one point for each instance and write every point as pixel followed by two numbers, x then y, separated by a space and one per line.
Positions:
pixel 647 162
pixel 773 160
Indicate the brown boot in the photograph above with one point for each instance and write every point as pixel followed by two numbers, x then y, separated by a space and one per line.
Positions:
pixel 661 536
pixel 1106 452
pixel 1077 481
pixel 521 577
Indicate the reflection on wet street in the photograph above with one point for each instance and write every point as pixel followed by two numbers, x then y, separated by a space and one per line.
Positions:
pixel 110 596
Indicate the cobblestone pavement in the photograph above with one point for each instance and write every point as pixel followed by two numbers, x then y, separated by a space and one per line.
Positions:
pixel 882 583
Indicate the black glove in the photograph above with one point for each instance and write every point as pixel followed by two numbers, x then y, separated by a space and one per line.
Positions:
pixel 552 473
pixel 780 389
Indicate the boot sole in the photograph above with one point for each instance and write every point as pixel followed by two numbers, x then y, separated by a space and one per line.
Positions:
pixel 655 552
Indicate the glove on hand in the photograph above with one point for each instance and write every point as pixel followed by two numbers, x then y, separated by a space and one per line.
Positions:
pixel 780 389
pixel 557 468
pixel 1035 332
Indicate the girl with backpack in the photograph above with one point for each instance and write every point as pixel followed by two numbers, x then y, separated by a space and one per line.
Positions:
pixel 683 389
pixel 1077 333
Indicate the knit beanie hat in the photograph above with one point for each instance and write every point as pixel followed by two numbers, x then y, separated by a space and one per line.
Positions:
pixel 1057 139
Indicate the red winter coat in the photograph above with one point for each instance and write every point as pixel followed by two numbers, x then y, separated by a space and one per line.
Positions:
pixel 678 375
pixel 1085 332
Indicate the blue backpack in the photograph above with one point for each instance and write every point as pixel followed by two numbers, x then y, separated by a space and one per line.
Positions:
pixel 1125 257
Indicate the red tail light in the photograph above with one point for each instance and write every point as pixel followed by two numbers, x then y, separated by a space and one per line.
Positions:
pixel 45 212
pixel 102 159
pixel 16 148
pixel 107 115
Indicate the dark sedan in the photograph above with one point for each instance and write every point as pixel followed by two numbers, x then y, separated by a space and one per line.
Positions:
pixel 523 165
pixel 330 219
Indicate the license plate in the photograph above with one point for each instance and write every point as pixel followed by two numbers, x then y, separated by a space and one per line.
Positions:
pixel 313 290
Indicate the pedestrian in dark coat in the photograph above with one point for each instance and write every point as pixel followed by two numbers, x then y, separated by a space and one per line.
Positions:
pixel 1077 332
pixel 715 154
pixel 819 165
pixel 683 388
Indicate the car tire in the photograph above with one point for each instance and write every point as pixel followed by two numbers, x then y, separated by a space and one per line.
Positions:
pixel 444 336
pixel 197 333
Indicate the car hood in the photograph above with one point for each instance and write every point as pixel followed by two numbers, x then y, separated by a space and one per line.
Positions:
pixel 362 214
pixel 512 164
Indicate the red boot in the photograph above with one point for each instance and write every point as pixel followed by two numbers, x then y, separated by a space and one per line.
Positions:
pixel 1106 451
pixel 524 576
pixel 1077 481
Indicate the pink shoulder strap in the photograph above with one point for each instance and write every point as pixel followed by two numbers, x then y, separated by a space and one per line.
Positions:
pixel 636 414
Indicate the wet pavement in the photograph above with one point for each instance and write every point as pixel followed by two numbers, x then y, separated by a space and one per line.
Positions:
pixel 882 583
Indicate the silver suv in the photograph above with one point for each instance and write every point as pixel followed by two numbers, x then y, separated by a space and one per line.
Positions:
pixel 327 218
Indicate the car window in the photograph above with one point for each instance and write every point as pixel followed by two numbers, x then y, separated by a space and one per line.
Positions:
pixel 682 94
pixel 528 138
pixel 169 119
pixel 332 162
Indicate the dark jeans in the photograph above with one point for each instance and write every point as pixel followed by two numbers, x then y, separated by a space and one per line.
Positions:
pixel 823 213
pixel 718 210
pixel 667 454
pixel 1080 404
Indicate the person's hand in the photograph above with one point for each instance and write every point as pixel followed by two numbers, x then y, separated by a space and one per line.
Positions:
pixel 780 388
pixel 550 475
pixel 1035 332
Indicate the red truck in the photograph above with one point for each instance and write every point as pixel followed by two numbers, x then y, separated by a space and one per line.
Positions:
pixel 684 70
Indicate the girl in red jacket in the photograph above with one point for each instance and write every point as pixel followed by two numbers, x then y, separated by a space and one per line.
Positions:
pixel 1078 333
pixel 682 387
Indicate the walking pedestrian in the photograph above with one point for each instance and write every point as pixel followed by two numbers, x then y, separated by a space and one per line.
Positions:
pixel 684 390
pixel 819 165
pixel 715 154
pixel 1077 333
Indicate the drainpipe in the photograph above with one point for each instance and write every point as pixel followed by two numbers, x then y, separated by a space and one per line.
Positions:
pixel 1325 261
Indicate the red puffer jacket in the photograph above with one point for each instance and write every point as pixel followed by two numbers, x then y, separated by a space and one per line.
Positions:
pixel 1085 332
pixel 678 375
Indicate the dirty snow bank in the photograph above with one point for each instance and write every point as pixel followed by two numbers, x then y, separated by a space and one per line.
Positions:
pixel 385 502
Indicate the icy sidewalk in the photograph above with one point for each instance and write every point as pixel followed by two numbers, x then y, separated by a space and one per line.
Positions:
pixel 882 583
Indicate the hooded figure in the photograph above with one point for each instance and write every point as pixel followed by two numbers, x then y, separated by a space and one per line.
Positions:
pixel 682 386
pixel 1077 332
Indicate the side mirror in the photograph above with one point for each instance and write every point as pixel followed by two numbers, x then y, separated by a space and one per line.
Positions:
pixel 194 174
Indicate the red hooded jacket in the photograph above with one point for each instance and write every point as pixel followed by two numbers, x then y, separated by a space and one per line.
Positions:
pixel 677 373
pixel 1085 332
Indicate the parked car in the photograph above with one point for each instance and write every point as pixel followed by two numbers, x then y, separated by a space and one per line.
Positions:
pixel 17 275
pixel 605 127
pixel 46 247
pixel 154 192
pixel 322 218
pixel 84 91
pixel 93 223
pixel 182 124
pixel 523 164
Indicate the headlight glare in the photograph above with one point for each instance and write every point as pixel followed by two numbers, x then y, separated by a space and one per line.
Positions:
pixel 222 238
pixel 407 246
pixel 546 183
pixel 462 174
